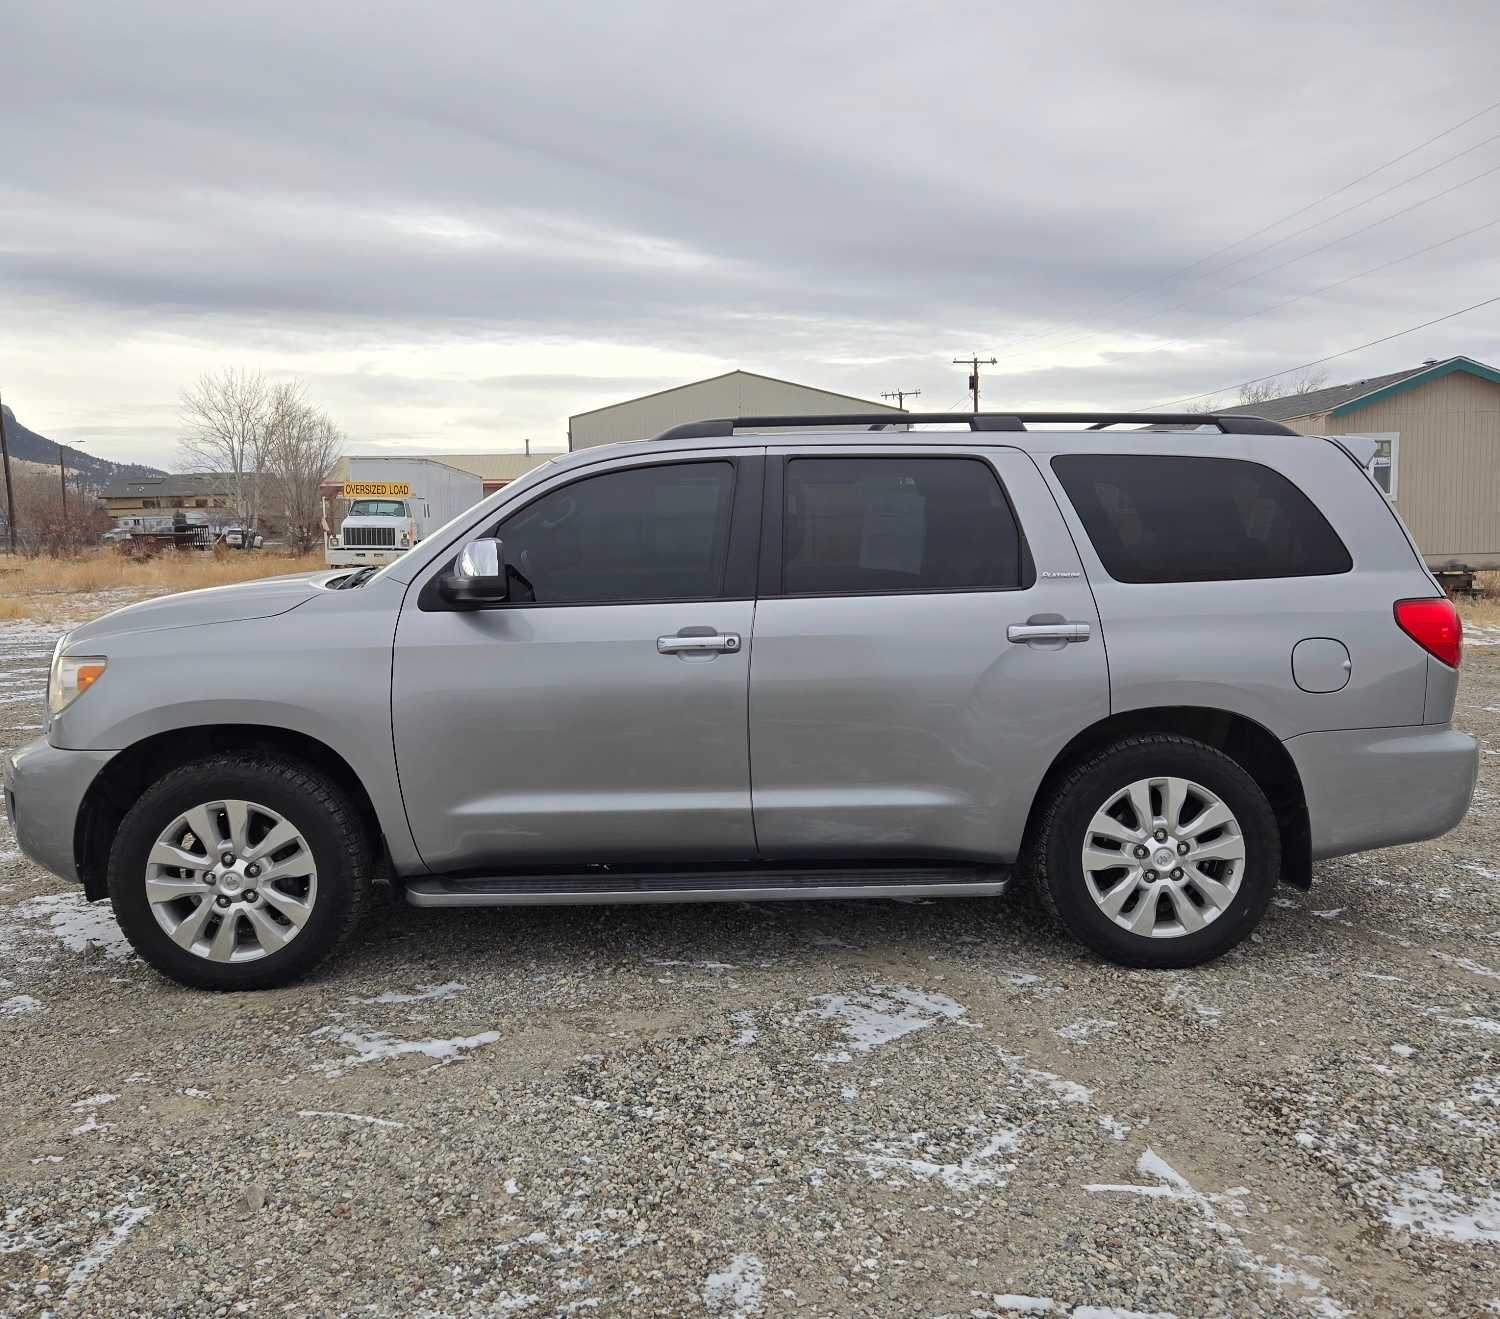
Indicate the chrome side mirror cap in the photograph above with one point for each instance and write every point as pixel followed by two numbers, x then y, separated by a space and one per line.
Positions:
pixel 478 576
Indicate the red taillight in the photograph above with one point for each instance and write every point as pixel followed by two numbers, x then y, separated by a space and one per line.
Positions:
pixel 1434 625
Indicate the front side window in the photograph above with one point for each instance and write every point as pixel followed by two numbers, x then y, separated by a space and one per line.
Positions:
pixel 627 537
pixel 1167 518
pixel 888 525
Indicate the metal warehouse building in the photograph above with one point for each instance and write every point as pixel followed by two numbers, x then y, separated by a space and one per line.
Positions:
pixel 1438 425
pixel 733 394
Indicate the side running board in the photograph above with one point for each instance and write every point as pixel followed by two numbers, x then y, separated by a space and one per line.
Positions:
pixel 616 886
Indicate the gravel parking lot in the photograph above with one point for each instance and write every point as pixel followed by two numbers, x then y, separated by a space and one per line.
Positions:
pixel 932 1108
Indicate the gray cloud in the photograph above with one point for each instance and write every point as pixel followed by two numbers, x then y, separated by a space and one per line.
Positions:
pixel 847 193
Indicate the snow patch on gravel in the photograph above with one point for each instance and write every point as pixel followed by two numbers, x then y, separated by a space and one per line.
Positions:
pixel 373 1046
pixel 1170 1184
pixel 1422 1203
pixel 1083 1030
pixel 350 1117
pixel 77 924
pixel 126 1219
pixel 17 1004
pixel 737 1290
pixel 971 1171
pixel 885 1014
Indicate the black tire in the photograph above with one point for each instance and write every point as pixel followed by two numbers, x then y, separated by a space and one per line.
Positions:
pixel 1056 861
pixel 318 808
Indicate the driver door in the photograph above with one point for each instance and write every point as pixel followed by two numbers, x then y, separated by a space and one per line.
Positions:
pixel 579 722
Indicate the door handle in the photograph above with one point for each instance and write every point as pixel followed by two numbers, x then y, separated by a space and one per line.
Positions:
pixel 713 643
pixel 1024 632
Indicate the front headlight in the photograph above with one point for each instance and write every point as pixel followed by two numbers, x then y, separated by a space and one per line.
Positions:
pixel 71 676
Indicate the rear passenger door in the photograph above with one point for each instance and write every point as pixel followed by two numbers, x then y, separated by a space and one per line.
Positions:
pixel 890 713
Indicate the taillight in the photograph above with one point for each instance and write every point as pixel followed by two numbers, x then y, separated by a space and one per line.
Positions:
pixel 1434 625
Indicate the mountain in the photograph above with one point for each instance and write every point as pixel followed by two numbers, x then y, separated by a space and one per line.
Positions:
pixel 28 446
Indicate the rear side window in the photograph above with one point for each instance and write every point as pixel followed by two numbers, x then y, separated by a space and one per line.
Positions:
pixel 854 526
pixel 1161 518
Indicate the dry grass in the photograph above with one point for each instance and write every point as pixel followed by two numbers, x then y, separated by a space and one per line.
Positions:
pixel 43 588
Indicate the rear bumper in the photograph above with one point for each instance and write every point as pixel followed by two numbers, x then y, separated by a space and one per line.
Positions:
pixel 1375 787
pixel 44 789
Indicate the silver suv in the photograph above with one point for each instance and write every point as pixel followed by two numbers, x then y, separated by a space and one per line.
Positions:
pixel 1155 671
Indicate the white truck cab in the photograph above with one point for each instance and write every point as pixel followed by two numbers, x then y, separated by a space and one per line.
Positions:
pixel 375 531
pixel 392 503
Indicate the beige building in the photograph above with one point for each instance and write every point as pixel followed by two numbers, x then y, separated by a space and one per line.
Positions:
pixel 733 394
pixel 1438 427
pixel 136 499
pixel 496 470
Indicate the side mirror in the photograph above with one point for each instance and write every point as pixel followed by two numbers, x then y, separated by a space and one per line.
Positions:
pixel 478 577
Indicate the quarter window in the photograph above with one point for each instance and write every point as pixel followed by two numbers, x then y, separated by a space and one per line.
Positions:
pixel 626 537
pixel 897 524
pixel 1166 518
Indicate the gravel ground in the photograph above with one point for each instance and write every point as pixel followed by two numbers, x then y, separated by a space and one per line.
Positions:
pixel 933 1108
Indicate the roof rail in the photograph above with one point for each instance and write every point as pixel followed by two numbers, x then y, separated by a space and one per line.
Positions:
pixel 977 421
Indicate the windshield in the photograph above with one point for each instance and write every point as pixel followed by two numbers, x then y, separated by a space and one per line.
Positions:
pixel 377 508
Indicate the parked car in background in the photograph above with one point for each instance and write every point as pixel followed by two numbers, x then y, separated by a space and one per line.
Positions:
pixel 1155 674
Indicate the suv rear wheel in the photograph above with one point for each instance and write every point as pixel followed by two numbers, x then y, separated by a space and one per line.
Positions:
pixel 1158 852
pixel 239 872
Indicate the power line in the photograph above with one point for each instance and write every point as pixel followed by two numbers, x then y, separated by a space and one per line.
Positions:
pixel 1349 279
pixel 1264 229
pixel 974 363
pixel 1359 348
pixel 1291 261
pixel 901 395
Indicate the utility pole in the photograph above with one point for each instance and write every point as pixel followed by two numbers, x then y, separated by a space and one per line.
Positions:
pixel 62 472
pixel 901 395
pixel 974 363
pixel 10 490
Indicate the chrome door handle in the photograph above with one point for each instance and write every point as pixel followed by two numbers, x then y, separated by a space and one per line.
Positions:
pixel 1023 632
pixel 714 643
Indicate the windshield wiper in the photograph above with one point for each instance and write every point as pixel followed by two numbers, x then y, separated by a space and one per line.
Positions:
pixel 356 579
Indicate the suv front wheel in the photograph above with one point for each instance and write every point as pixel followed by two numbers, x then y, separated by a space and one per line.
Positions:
pixel 239 871
pixel 1158 851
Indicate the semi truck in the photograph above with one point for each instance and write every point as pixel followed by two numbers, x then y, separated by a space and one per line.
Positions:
pixel 390 504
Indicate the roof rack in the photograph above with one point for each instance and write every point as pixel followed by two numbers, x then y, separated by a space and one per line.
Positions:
pixel 977 421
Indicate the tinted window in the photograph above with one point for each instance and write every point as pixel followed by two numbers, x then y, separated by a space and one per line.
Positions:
pixel 648 533
pixel 1169 519
pixel 858 525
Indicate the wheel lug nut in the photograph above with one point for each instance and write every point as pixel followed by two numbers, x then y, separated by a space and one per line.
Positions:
pixel 251 895
pixel 1142 850
pixel 227 858
pixel 1177 873
pixel 252 871
pixel 1182 849
pixel 222 900
pixel 1151 878
pixel 1160 835
pixel 209 876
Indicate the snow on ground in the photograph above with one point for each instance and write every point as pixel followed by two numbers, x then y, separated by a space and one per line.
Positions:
pixel 372 1046
pixel 77 924
pixel 885 1014
pixel 736 1290
pixel 423 994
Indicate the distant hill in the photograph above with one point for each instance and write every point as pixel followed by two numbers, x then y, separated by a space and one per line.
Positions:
pixel 29 447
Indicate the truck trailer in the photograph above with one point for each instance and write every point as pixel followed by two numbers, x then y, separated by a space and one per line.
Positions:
pixel 392 503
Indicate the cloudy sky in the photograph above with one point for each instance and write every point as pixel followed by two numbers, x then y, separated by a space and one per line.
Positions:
pixel 461 223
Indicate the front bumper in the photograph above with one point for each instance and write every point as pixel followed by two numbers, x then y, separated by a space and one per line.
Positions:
pixel 361 558
pixel 1376 787
pixel 44 789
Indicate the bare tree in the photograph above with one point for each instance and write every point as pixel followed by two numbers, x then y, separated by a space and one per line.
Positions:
pixel 43 525
pixel 302 445
pixel 1297 382
pixel 227 417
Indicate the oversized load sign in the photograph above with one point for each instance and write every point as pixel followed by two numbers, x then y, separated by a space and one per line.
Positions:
pixel 377 489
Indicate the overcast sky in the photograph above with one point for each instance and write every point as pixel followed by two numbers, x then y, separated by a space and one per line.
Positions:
pixel 461 223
